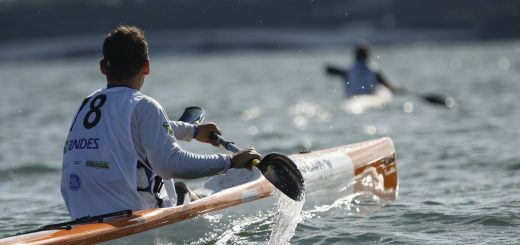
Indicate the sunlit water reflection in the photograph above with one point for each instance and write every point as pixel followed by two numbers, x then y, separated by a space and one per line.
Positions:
pixel 458 169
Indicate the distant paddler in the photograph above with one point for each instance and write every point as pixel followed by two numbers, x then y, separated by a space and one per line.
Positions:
pixel 360 78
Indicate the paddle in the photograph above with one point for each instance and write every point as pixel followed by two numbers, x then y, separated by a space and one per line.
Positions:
pixel 193 114
pixel 437 99
pixel 277 168
pixel 434 99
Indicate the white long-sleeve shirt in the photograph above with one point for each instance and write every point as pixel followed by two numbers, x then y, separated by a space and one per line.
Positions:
pixel 113 130
pixel 153 143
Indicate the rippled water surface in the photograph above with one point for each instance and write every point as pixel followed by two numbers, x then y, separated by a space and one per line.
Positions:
pixel 459 169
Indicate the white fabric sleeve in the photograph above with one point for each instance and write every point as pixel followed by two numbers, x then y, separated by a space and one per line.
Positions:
pixel 154 144
pixel 183 130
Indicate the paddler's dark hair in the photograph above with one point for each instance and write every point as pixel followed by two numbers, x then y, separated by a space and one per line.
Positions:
pixel 362 51
pixel 124 50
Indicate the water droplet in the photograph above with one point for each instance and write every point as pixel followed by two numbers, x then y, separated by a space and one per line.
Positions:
pixel 408 107
pixel 252 130
pixel 370 129
pixel 456 64
pixel 504 64
pixel 450 102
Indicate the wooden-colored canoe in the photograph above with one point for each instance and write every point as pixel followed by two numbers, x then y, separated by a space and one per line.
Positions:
pixel 362 167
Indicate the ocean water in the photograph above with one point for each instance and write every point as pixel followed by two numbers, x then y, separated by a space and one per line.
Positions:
pixel 459 169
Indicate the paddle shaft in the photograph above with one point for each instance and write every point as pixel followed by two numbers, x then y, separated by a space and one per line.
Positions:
pixel 230 146
pixel 277 168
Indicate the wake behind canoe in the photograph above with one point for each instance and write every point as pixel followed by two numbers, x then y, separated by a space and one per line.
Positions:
pixel 362 167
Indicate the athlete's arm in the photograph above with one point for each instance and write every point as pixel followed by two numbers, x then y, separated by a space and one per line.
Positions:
pixel 155 142
pixel 335 71
pixel 186 131
pixel 183 130
pixel 382 80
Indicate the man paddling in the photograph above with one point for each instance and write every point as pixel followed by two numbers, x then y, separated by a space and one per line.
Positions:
pixel 360 78
pixel 121 143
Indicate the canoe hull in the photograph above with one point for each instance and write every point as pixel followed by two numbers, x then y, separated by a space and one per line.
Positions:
pixel 363 167
pixel 361 103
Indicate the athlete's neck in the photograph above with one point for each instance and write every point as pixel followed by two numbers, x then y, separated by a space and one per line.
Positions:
pixel 118 86
pixel 136 82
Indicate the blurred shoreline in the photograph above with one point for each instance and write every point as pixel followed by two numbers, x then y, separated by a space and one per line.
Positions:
pixel 226 40
pixel 56 29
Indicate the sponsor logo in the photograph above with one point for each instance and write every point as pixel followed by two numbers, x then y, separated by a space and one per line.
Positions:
pixel 97 164
pixel 316 165
pixel 74 182
pixel 168 128
pixel 81 144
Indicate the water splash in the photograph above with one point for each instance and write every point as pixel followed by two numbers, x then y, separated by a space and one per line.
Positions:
pixel 361 202
pixel 243 230
pixel 286 219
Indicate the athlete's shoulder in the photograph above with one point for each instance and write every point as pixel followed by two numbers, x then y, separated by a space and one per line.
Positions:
pixel 146 101
pixel 96 92
pixel 374 67
pixel 147 106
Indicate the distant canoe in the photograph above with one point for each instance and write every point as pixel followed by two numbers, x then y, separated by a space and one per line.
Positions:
pixel 361 103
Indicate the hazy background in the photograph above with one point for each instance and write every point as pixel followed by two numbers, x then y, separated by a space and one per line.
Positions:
pixel 257 68
pixel 206 26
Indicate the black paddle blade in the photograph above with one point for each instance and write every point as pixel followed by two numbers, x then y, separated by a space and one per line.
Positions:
pixel 437 99
pixel 194 115
pixel 282 172
pixel 332 70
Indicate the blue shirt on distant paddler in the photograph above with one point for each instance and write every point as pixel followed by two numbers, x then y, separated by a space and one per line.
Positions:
pixel 121 145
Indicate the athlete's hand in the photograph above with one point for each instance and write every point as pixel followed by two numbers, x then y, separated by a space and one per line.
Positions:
pixel 244 158
pixel 204 131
